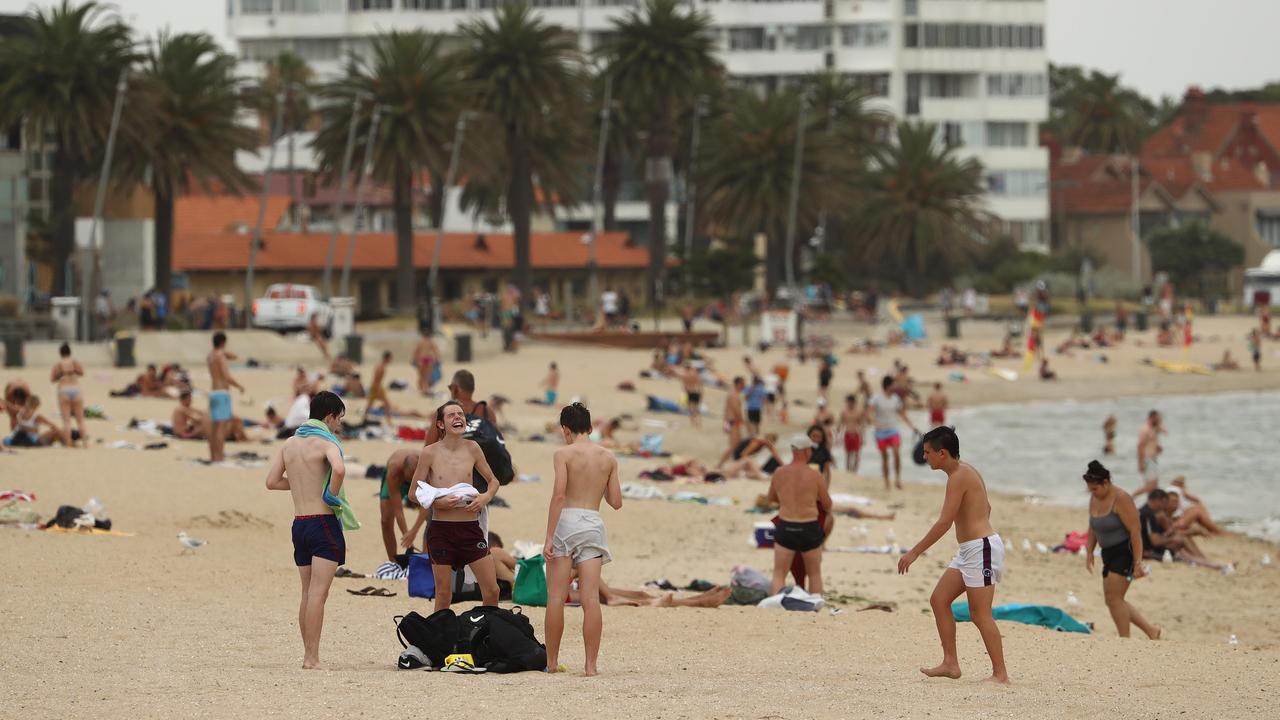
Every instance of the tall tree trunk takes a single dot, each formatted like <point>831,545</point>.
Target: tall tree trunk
<point>519,207</point>
<point>658,188</point>
<point>164,240</point>
<point>435,203</point>
<point>402,208</point>
<point>62,214</point>
<point>611,181</point>
<point>294,210</point>
<point>775,250</point>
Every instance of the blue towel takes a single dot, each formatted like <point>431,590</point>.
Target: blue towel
<point>1042,615</point>
<point>341,508</point>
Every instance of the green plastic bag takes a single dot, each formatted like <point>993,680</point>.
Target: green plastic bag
<point>531,582</point>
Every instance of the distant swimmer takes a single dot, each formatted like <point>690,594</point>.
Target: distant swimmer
<point>978,563</point>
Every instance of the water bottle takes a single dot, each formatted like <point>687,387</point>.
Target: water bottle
<point>1233,640</point>
<point>1168,557</point>
<point>1072,600</point>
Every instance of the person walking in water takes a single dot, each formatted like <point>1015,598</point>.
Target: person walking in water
<point>1114,525</point>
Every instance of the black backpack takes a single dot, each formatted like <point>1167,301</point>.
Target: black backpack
<point>502,641</point>
<point>435,635</point>
<point>490,440</point>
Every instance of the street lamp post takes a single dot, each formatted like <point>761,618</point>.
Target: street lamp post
<point>344,284</point>
<point>342,188</point>
<point>277,127</point>
<point>90,260</point>
<point>795,196</point>
<point>691,185</point>
<point>597,195</point>
<point>451,174</point>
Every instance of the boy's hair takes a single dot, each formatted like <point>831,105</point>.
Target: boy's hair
<point>553,366</point>
<point>495,540</point>
<point>65,350</point>
<point>737,380</point>
<point>887,382</point>
<point>386,355</point>
<point>219,339</point>
<point>324,404</point>
<point>576,417</point>
<point>447,403</point>
<point>1157,494</point>
<point>943,438</point>
<point>851,398</point>
<point>20,394</point>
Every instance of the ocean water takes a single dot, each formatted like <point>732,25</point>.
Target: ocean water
<point>1222,444</point>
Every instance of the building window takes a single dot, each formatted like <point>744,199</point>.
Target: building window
<point>969,35</point>
<point>312,49</point>
<point>256,7</point>
<point>1269,227</point>
<point>811,37</point>
<point>748,38</point>
<point>876,84</point>
<point>1007,134</point>
<point>946,85</point>
<point>310,7</point>
<point>554,3</point>
<point>1017,85</point>
<point>865,35</point>
<point>368,5</point>
<point>1017,183</point>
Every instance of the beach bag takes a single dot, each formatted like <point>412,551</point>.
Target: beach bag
<point>531,582</point>
<point>917,452</point>
<point>489,438</point>
<point>436,373</point>
<point>435,635</point>
<point>422,582</point>
<point>504,642</point>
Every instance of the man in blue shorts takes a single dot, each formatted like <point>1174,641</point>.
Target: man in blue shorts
<point>220,396</point>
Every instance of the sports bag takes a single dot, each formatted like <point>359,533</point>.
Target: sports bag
<point>435,635</point>
<point>502,641</point>
<point>491,443</point>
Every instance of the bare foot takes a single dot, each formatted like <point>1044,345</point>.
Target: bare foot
<point>591,672</point>
<point>943,670</point>
<point>311,665</point>
<point>1159,631</point>
<point>667,600</point>
<point>998,679</point>
<point>898,484</point>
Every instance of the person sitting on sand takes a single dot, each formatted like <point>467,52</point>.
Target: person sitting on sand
<point>188,423</point>
<point>16,393</point>
<point>1045,372</point>
<point>1226,363</point>
<point>1191,518</point>
<point>1159,536</point>
<point>149,384</point>
<point>26,432</point>
<point>302,385</point>
<point>744,460</point>
<point>351,386</point>
<point>1114,526</point>
<point>1006,348</point>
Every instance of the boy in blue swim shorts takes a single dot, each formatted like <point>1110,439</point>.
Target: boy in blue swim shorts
<point>303,466</point>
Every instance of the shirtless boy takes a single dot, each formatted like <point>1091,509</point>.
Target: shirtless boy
<point>576,539</point>
<point>691,378</point>
<point>937,403</point>
<point>733,415</point>
<point>551,385</point>
<point>799,491</point>
<point>978,563</point>
<point>378,393</point>
<point>852,421</point>
<point>393,495</point>
<point>319,548</point>
<point>442,482</point>
<point>220,396</point>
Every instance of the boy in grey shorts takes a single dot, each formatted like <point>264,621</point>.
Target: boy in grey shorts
<point>585,474</point>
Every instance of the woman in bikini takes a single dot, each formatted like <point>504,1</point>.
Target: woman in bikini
<point>66,375</point>
<point>1114,525</point>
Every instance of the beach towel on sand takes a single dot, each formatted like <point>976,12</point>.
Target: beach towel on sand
<point>341,508</point>
<point>1042,615</point>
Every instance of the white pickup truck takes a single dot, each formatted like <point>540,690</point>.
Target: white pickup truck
<point>290,307</point>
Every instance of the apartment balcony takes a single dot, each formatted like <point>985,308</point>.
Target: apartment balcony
<point>973,60</point>
<point>1019,207</point>
<point>979,108</point>
<point>747,63</point>
<point>1005,11</point>
<point>788,12</point>
<point>1009,158</point>
<point>866,10</point>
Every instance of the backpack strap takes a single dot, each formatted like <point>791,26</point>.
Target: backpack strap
<point>397,619</point>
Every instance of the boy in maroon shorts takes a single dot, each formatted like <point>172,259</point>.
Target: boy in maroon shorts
<point>442,482</point>
<point>852,420</point>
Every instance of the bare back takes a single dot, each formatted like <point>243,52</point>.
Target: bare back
<point>379,371</point>
<point>589,470</point>
<point>798,490</point>
<point>400,468</point>
<point>973,519</point>
<point>306,465</point>
<point>733,406</point>
<point>219,372</point>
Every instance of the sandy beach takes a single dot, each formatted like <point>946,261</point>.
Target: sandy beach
<point>129,627</point>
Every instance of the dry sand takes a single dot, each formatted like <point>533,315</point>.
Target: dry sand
<point>128,627</point>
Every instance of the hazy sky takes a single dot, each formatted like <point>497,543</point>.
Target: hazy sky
<point>1158,46</point>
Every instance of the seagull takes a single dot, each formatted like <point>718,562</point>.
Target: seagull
<point>190,543</point>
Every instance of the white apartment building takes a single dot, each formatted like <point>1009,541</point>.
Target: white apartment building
<point>976,68</point>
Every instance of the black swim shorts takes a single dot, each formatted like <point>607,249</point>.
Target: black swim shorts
<point>799,536</point>
<point>1118,559</point>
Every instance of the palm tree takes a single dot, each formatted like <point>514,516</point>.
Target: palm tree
<point>1099,115</point>
<point>60,77</point>
<point>660,56</point>
<point>922,209</point>
<point>526,77</point>
<point>417,85</point>
<point>186,130</point>
<point>747,165</point>
<point>290,74</point>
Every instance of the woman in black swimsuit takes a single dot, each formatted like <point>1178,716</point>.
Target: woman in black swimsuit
<point>1113,524</point>
<point>820,457</point>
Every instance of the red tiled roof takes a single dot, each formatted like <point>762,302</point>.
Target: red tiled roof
<point>1094,184</point>
<point>377,251</point>
<point>1206,129</point>
<point>217,214</point>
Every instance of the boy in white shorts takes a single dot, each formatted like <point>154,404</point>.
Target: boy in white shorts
<point>585,474</point>
<point>978,564</point>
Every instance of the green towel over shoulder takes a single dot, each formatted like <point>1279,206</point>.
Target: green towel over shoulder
<point>341,508</point>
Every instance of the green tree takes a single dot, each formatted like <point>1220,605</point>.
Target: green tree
<point>1095,112</point>
<point>1000,265</point>
<point>659,56</point>
<point>288,74</point>
<point>418,87</point>
<point>921,215</point>
<point>526,78</point>
<point>60,75</point>
<point>1195,256</point>
<point>720,270</point>
<point>185,130</point>
<point>747,166</point>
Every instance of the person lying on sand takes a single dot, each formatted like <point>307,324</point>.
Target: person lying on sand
<point>754,458</point>
<point>617,597</point>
